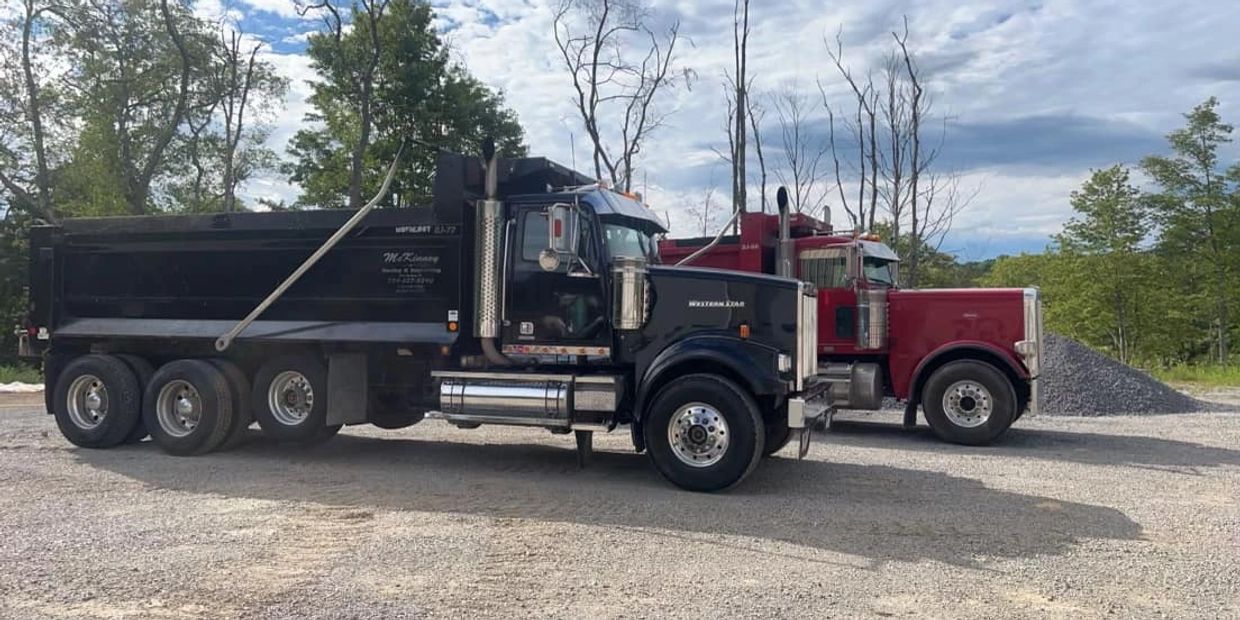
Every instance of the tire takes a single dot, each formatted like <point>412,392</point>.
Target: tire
<point>208,415</point>
<point>96,401</point>
<point>969,402</point>
<point>725,454</point>
<point>777,436</point>
<point>239,385</point>
<point>387,411</point>
<point>144,371</point>
<point>296,386</point>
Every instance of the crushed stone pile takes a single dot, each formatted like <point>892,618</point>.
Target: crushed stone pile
<point>1079,381</point>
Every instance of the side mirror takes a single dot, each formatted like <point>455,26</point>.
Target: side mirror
<point>563,227</point>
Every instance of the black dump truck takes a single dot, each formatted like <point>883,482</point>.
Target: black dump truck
<point>524,295</point>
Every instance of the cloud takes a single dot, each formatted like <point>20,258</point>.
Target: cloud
<point>1037,91</point>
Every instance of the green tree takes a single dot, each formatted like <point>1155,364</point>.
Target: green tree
<point>1198,210</point>
<point>1105,241</point>
<point>385,80</point>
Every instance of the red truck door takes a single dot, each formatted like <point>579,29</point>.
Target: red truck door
<point>833,270</point>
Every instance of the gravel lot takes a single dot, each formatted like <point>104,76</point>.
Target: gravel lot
<point>1123,516</point>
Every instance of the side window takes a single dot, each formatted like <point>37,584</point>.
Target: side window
<point>825,268</point>
<point>534,238</point>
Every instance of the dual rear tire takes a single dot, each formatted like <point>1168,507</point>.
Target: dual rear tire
<point>189,406</point>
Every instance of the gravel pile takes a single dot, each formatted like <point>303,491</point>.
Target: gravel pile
<point>1079,381</point>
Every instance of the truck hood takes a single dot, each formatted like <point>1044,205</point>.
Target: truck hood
<point>725,275</point>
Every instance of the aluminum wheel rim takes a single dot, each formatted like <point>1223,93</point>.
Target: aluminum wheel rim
<point>178,408</point>
<point>290,398</point>
<point>87,402</point>
<point>698,434</point>
<point>968,404</point>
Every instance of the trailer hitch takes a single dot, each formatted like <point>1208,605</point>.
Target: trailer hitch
<point>223,342</point>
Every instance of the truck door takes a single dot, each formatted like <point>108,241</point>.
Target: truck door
<point>561,311</point>
<point>832,269</point>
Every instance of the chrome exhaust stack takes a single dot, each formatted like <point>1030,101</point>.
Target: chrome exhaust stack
<point>488,260</point>
<point>783,260</point>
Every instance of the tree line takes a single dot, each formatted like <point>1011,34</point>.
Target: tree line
<point>1150,275</point>
<point>135,107</point>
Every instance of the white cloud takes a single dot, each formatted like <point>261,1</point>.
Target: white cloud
<point>991,62</point>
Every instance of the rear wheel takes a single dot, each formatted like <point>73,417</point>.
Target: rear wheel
<point>704,433</point>
<point>289,399</point>
<point>96,401</point>
<point>188,407</point>
<point>239,385</point>
<point>969,402</point>
<point>144,371</point>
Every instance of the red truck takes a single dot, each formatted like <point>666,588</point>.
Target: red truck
<point>969,357</point>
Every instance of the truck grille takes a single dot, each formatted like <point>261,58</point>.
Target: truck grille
<point>807,336</point>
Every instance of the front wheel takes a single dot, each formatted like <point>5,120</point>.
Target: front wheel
<point>704,433</point>
<point>969,402</point>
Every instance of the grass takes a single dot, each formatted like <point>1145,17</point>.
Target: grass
<point>1203,375</point>
<point>20,373</point>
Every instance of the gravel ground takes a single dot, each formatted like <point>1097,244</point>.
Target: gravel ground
<point>1122,516</point>
<point>1080,381</point>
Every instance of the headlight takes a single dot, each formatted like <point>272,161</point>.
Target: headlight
<point>784,362</point>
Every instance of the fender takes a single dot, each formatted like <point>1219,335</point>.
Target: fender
<point>754,363</point>
<point>1008,358</point>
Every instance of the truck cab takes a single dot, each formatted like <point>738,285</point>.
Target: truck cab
<point>969,358</point>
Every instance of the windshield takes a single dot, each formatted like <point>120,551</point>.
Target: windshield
<point>879,270</point>
<point>625,241</point>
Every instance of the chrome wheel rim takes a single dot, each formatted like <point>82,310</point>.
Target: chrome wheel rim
<point>178,408</point>
<point>968,404</point>
<point>290,398</point>
<point>698,434</point>
<point>88,402</point>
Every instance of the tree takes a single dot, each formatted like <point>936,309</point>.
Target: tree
<point>1198,210</point>
<point>740,104</point>
<point>1106,237</point>
<point>803,169</point>
<point>28,101</point>
<point>917,202</point>
<point>600,42</point>
<point>387,80</point>
<point>134,66</point>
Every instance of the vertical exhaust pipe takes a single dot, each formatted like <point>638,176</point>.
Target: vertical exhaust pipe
<point>488,259</point>
<point>783,256</point>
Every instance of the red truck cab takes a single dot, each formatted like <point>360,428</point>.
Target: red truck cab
<point>969,357</point>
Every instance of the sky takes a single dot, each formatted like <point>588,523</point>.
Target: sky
<point>1035,93</point>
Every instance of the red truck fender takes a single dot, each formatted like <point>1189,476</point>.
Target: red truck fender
<point>1005,361</point>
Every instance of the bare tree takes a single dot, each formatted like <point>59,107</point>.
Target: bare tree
<point>599,42</point>
<point>740,106</point>
<point>804,166</point>
<point>238,68</point>
<point>757,114</point>
<point>919,202</point>
<point>864,128</point>
<point>704,213</point>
